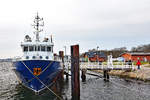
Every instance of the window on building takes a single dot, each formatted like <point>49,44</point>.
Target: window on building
<point>30,48</point>
<point>42,48</point>
<point>145,59</point>
<point>25,49</point>
<point>49,49</point>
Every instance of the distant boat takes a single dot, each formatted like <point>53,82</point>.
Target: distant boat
<point>38,67</point>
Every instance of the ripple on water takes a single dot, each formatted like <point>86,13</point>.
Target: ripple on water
<point>93,89</point>
<point>7,81</point>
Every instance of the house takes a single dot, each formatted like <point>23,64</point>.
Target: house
<point>136,56</point>
<point>94,56</point>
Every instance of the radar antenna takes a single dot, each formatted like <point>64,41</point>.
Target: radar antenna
<point>38,23</point>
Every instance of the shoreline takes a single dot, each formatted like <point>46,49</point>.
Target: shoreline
<point>142,74</point>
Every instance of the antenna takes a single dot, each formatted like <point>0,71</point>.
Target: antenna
<point>38,23</point>
<point>51,39</point>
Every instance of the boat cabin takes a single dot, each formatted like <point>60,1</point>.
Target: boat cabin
<point>35,50</point>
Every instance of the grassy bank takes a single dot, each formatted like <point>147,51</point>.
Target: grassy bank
<point>141,74</point>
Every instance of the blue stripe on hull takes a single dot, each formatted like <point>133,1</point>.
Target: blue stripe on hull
<point>50,70</point>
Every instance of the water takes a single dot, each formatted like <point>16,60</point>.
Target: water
<point>93,89</point>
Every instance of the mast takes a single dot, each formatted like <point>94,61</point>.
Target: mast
<point>38,24</point>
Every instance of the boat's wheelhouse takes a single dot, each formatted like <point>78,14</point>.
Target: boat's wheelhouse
<point>37,50</point>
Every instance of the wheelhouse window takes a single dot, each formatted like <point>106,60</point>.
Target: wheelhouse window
<point>25,49</point>
<point>39,48</point>
<point>35,48</point>
<point>30,48</point>
<point>42,48</point>
<point>49,49</point>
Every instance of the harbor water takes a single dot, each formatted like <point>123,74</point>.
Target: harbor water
<point>95,88</point>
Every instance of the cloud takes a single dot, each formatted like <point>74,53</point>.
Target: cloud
<point>108,23</point>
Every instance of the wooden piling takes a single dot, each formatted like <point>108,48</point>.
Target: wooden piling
<point>61,55</point>
<point>75,75</point>
<point>83,76</point>
<point>67,76</point>
<point>106,75</point>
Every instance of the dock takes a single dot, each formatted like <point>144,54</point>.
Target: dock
<point>76,66</point>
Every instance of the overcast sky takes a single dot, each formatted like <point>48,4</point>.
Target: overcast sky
<point>90,23</point>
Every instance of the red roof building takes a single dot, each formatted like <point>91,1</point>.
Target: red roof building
<point>95,56</point>
<point>136,56</point>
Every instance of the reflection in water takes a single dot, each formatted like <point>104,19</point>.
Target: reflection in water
<point>25,94</point>
<point>93,88</point>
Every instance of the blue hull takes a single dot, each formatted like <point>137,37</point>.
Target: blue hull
<point>49,71</point>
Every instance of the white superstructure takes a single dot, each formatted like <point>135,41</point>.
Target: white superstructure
<point>37,49</point>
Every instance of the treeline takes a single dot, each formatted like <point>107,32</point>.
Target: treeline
<point>117,51</point>
<point>141,48</point>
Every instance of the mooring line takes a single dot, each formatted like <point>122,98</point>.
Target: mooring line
<point>41,81</point>
<point>46,67</point>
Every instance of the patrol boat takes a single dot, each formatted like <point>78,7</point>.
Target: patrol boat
<point>38,67</point>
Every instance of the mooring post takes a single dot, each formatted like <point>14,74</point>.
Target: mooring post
<point>106,75</point>
<point>83,76</point>
<point>61,55</point>
<point>67,76</point>
<point>75,75</point>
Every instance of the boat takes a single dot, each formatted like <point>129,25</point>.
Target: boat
<point>38,68</point>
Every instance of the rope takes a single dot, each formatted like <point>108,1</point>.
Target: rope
<point>47,67</point>
<point>41,73</point>
<point>41,81</point>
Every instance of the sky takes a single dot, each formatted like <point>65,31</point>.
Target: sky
<point>90,23</point>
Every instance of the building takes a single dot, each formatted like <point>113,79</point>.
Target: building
<point>94,56</point>
<point>136,56</point>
